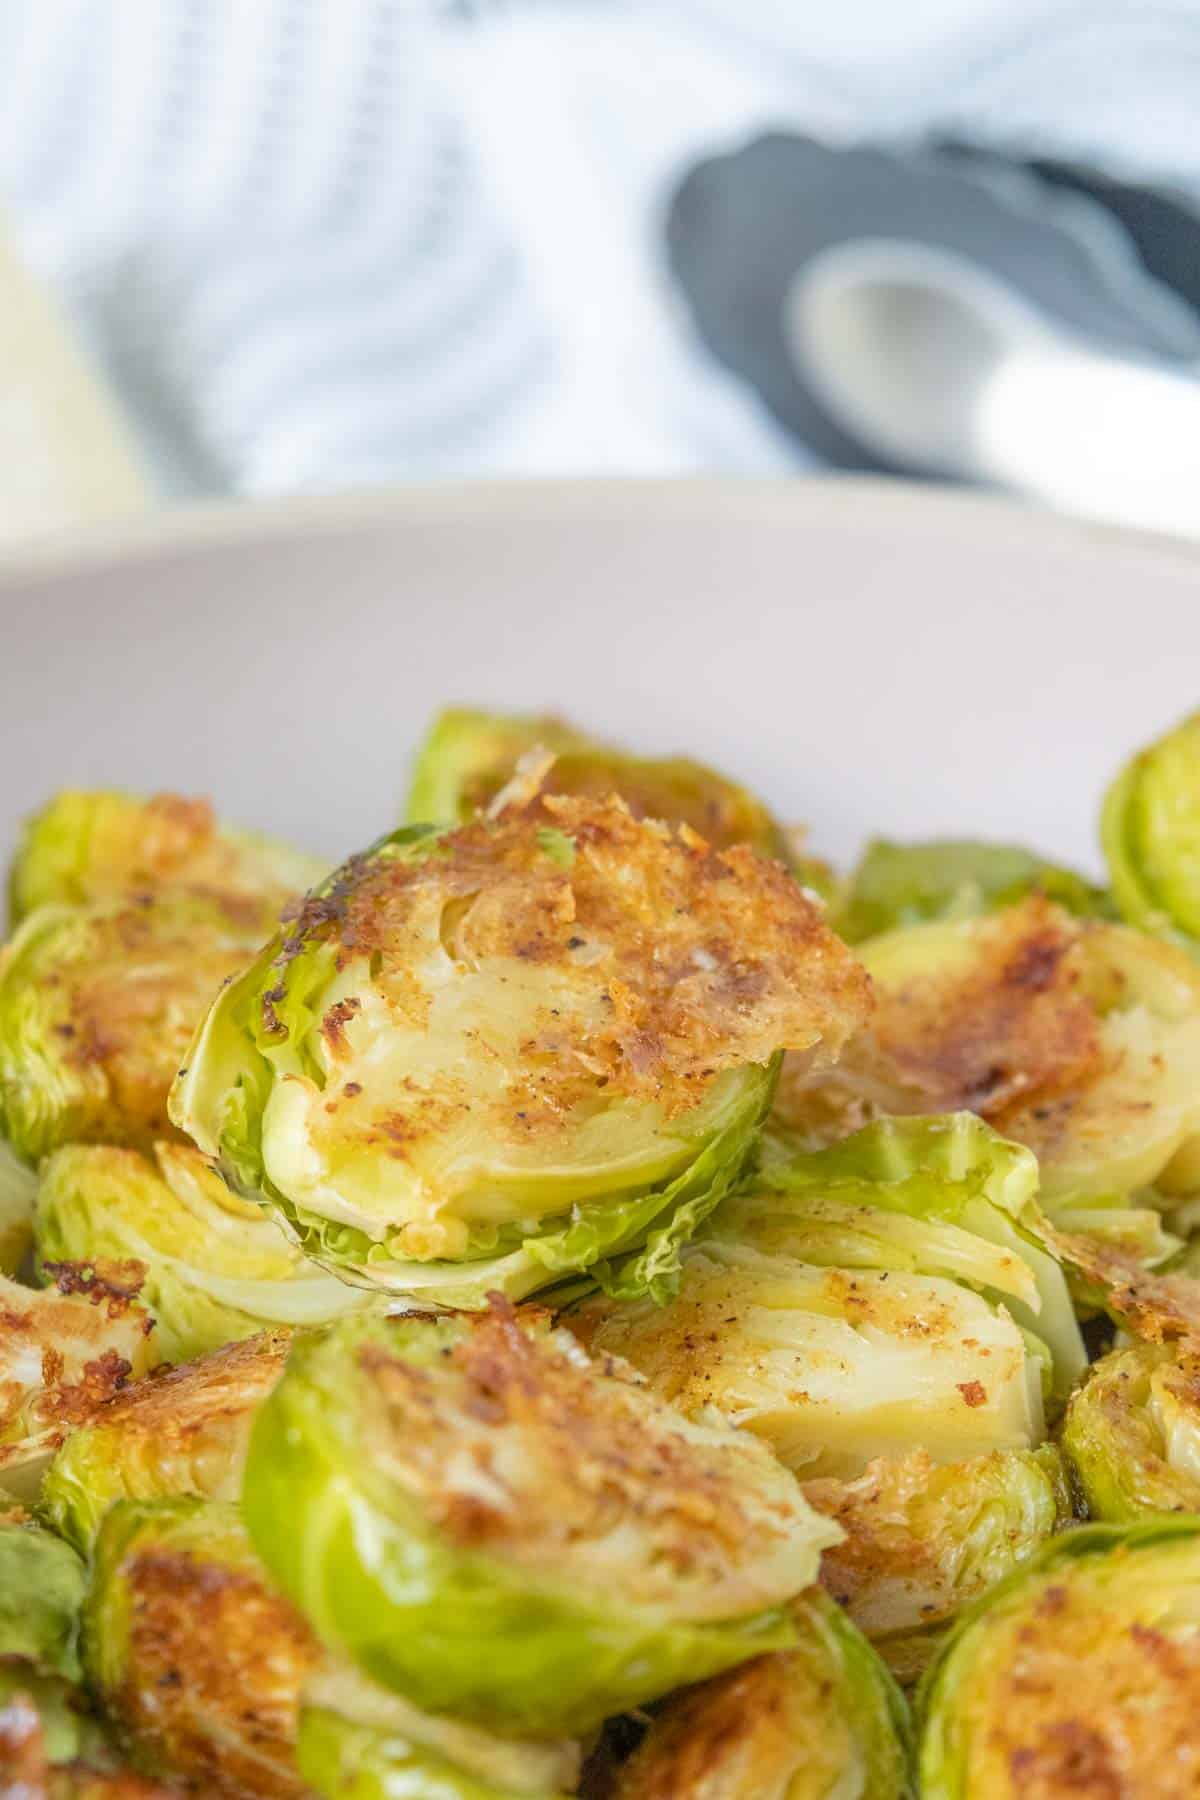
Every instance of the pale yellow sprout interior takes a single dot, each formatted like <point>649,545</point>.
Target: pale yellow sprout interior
<point>833,1366</point>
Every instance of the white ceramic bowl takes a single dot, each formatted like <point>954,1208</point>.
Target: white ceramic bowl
<point>869,656</point>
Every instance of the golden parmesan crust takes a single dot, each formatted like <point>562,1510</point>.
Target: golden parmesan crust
<point>1019,1023</point>
<point>209,1395</point>
<point>65,1353</point>
<point>518,1445</point>
<point>671,961</point>
<point>747,1735</point>
<point>122,1012</point>
<point>1081,1699</point>
<point>216,1662</point>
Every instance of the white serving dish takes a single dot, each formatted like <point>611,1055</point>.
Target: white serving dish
<point>870,656</point>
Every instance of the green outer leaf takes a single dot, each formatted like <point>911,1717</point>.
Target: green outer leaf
<point>453,1631</point>
<point>465,743</point>
<point>345,1761</point>
<point>41,1592</point>
<point>18,1185</point>
<point>953,878</point>
<point>941,1774</point>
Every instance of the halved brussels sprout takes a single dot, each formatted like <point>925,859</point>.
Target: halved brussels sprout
<point>1150,830</point>
<point>1080,1674</point>
<point>1132,1432</point>
<point>921,1541</point>
<point>91,845</point>
<point>97,1006</point>
<point>951,878</point>
<point>832,1366</point>
<point>197,1662</point>
<point>63,1353</point>
<point>1080,1039</point>
<point>820,1720</point>
<point>216,1266</point>
<point>358,1742</point>
<point>181,1431</point>
<point>535,1541</point>
<point>882,1296</point>
<point>469,756</point>
<point>487,1058</point>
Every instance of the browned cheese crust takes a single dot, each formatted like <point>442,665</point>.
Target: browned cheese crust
<point>124,1015</point>
<point>519,1445</point>
<point>672,961</point>
<point>201,1409</point>
<point>85,1330</point>
<point>1081,1704</point>
<point>216,1662</point>
<point>26,1773</point>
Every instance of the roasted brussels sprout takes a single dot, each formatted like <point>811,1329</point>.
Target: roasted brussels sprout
<point>92,845</point>
<point>876,1298</point>
<point>1149,827</point>
<point>820,1720</point>
<point>358,1742</point>
<point>217,1267</point>
<point>922,1540</point>
<point>1078,1038</point>
<point>195,1659</point>
<point>907,884</point>
<point>63,1353</point>
<point>30,1769</point>
<point>1080,1674</point>
<point>535,1542</point>
<point>97,1006</point>
<point>487,1058</point>
<point>468,757</point>
<point>1132,1432</point>
<point>180,1431</point>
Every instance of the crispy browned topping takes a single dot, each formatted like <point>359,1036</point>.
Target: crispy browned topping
<point>216,1664</point>
<point>124,1014</point>
<point>1019,1023</point>
<point>113,1283</point>
<point>738,1724</point>
<point>1161,1309</point>
<point>201,1407</point>
<point>672,961</point>
<point>1081,1700</point>
<point>23,1767</point>
<point>517,1444</point>
<point>87,1341</point>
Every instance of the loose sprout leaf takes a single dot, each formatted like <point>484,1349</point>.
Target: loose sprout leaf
<point>198,1662</point>
<point>217,1267</point>
<point>535,1541</point>
<point>178,1432</point>
<point>922,1540</point>
<point>1150,830</point>
<point>953,878</point>
<point>98,845</point>
<point>359,1742</point>
<point>1078,1674</point>
<point>18,1185</point>
<point>97,1006</point>
<point>823,1718</point>
<point>64,1351</point>
<point>1077,1038</point>
<point>41,1592</point>
<point>462,1053</point>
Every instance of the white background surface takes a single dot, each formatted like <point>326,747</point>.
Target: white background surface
<point>870,657</point>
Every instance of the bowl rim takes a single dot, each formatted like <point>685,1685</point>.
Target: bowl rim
<point>193,528</point>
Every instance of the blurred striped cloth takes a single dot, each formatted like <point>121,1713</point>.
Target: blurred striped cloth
<point>321,242</point>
